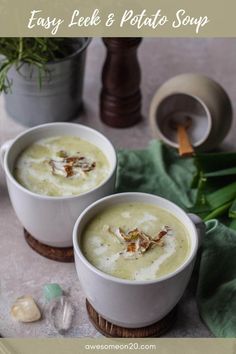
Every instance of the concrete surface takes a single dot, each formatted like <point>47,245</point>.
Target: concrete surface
<point>22,271</point>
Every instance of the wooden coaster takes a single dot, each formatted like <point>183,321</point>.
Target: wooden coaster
<point>58,254</point>
<point>110,330</point>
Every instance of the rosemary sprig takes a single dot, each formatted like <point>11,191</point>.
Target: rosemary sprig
<point>14,52</point>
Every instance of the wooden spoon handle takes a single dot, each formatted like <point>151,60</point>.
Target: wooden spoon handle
<point>185,147</point>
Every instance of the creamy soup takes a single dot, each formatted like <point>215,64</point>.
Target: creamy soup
<point>61,166</point>
<point>135,241</point>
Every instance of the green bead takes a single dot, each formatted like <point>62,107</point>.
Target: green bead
<point>52,291</point>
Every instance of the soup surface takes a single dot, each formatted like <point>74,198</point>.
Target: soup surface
<point>135,241</point>
<point>61,166</point>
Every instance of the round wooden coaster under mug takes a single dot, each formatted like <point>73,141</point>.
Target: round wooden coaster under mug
<point>110,330</point>
<point>197,100</point>
<point>59,254</point>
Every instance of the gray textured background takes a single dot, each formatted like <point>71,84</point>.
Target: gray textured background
<point>24,272</point>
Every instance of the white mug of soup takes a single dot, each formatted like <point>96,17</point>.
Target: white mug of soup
<point>53,172</point>
<point>134,255</point>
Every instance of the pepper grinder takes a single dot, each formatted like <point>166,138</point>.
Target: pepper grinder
<point>120,100</point>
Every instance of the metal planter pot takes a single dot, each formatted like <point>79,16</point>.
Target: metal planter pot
<point>60,96</point>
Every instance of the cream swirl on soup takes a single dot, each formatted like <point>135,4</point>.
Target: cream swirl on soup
<point>136,241</point>
<point>61,166</point>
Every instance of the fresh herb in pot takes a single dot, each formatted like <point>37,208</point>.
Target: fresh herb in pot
<point>37,52</point>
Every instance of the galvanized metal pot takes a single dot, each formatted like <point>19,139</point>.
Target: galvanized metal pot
<point>60,96</point>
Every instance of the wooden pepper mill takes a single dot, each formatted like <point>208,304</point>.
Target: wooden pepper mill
<point>120,100</point>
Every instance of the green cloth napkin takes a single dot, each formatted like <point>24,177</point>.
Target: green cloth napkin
<point>159,170</point>
<point>216,293</point>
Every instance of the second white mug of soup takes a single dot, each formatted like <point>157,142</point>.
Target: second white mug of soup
<point>134,255</point>
<point>44,167</point>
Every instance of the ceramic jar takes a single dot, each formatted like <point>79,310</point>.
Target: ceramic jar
<point>198,97</point>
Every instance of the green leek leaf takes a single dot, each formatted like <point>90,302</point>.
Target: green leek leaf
<point>232,210</point>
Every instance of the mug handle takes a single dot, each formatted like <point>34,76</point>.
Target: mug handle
<point>3,149</point>
<point>200,226</point>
